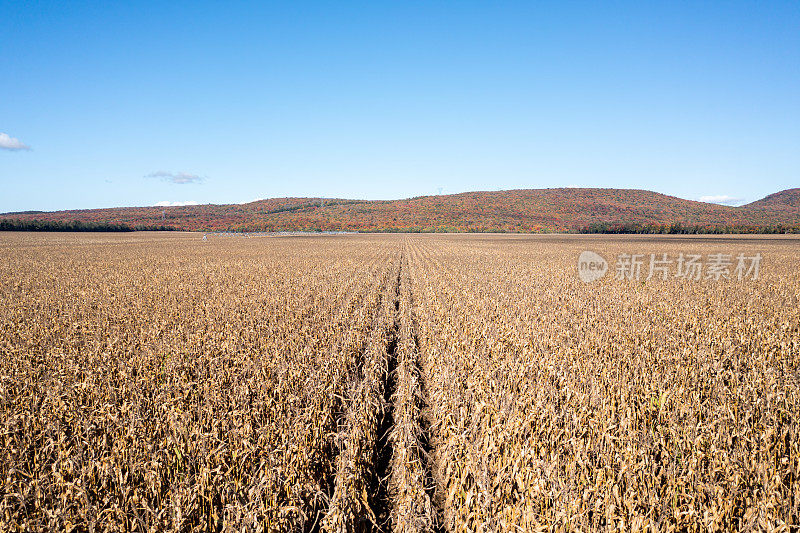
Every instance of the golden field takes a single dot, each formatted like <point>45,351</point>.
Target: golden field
<point>405,383</point>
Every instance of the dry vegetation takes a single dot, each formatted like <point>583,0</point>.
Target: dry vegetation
<point>392,383</point>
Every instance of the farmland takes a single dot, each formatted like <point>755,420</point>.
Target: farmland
<point>405,383</point>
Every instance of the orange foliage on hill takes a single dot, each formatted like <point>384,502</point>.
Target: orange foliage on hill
<point>527,210</point>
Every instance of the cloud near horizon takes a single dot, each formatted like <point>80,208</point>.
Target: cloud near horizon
<point>181,178</point>
<point>8,142</point>
<point>722,199</point>
<point>165,203</point>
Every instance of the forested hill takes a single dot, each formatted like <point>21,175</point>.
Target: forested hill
<point>525,210</point>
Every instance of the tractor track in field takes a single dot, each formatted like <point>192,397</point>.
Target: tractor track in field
<point>381,501</point>
<point>384,477</point>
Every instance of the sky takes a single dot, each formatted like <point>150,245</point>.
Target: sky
<point>136,103</point>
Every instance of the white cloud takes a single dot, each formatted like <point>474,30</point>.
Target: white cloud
<point>180,178</point>
<point>165,203</point>
<point>11,143</point>
<point>722,199</point>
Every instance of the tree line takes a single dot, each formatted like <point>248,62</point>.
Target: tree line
<point>683,229</point>
<point>73,225</point>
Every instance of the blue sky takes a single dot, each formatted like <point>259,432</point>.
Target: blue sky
<point>117,104</point>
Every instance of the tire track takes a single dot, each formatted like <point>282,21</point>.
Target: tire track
<point>383,478</point>
<point>411,483</point>
<point>357,497</point>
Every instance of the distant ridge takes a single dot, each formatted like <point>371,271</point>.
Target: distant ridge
<point>788,199</point>
<point>522,210</point>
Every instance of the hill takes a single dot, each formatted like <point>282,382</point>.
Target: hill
<point>525,210</point>
<point>788,200</point>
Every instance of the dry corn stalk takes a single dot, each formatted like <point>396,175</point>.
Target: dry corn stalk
<point>412,510</point>
<point>151,383</point>
<point>352,505</point>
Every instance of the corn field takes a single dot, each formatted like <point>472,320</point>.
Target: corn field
<point>393,383</point>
